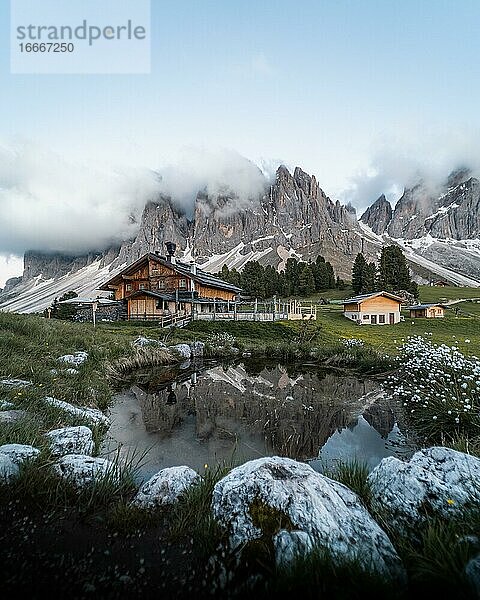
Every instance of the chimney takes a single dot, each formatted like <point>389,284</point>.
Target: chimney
<point>193,267</point>
<point>171,247</point>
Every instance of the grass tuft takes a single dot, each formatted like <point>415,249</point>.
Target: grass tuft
<point>353,474</point>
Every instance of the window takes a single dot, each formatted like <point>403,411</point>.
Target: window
<point>161,284</point>
<point>141,286</point>
<point>366,317</point>
<point>182,284</point>
<point>128,287</point>
<point>381,318</point>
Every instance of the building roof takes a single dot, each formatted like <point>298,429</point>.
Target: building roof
<point>200,276</point>
<point>422,306</point>
<point>80,300</point>
<point>362,297</point>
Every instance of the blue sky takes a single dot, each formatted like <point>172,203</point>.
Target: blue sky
<point>330,85</point>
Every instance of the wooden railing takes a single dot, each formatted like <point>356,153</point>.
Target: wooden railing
<point>179,320</point>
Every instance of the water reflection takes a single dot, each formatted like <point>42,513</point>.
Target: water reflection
<point>248,410</point>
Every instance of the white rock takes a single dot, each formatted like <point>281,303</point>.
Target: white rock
<point>165,487</point>
<point>183,350</point>
<point>5,405</point>
<point>19,453</point>
<point>11,416</point>
<point>76,359</point>
<point>82,470</point>
<point>142,341</point>
<point>8,469</point>
<point>71,440</point>
<point>15,383</point>
<point>289,545</point>
<point>93,415</point>
<point>197,349</point>
<point>330,514</point>
<point>436,479</point>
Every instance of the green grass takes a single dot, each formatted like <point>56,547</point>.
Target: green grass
<point>39,488</point>
<point>354,475</point>
<point>436,560</point>
<point>191,516</point>
<point>437,294</point>
<point>450,330</point>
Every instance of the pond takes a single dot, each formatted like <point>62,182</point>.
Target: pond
<point>209,413</point>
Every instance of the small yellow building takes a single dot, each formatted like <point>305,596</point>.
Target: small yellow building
<point>380,308</point>
<point>426,311</point>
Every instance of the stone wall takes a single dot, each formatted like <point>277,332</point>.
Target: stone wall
<point>107,312</point>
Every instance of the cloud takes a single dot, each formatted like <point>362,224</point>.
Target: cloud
<point>50,204</point>
<point>10,266</point>
<point>221,172</point>
<point>398,163</point>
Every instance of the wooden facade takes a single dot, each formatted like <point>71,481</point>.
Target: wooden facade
<point>154,287</point>
<point>427,311</point>
<point>381,308</point>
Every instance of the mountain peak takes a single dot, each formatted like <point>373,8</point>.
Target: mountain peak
<point>378,215</point>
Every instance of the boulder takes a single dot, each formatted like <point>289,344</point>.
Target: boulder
<point>15,383</point>
<point>11,416</point>
<point>142,341</point>
<point>165,487</point>
<point>197,349</point>
<point>82,470</point>
<point>268,494</point>
<point>436,480</point>
<point>19,453</point>
<point>183,350</point>
<point>71,440</point>
<point>76,359</point>
<point>93,415</point>
<point>289,545</point>
<point>8,469</point>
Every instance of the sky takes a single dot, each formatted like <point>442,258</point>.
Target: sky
<point>364,94</point>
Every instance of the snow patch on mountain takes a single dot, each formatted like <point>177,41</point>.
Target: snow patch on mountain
<point>236,258</point>
<point>37,294</point>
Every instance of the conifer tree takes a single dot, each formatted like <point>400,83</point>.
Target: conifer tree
<point>358,273</point>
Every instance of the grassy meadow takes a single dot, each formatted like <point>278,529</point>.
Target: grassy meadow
<point>118,551</point>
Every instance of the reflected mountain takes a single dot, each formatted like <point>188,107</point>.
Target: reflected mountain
<point>226,412</point>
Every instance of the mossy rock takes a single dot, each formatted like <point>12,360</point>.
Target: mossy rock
<point>268,519</point>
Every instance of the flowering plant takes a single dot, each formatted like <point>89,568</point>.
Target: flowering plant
<point>438,387</point>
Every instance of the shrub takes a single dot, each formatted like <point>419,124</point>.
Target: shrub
<point>439,388</point>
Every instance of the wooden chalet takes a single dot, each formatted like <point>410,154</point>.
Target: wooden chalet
<point>160,287</point>
<point>426,311</point>
<point>380,308</point>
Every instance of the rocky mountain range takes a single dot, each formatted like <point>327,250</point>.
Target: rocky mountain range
<point>441,225</point>
<point>293,218</point>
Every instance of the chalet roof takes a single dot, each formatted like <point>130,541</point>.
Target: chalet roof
<point>422,306</point>
<point>200,276</point>
<point>362,297</point>
<point>82,300</point>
